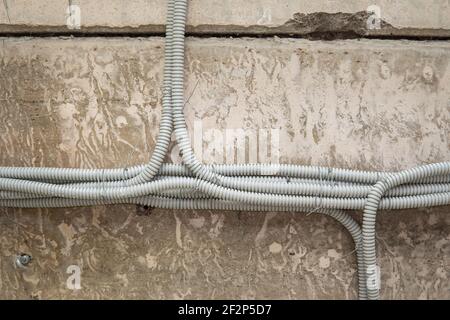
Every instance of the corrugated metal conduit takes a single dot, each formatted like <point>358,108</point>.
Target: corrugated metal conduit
<point>194,185</point>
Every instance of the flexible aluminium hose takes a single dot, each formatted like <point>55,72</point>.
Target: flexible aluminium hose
<point>211,182</point>
<point>192,193</point>
<point>252,187</point>
<point>203,173</point>
<point>373,202</point>
<point>321,174</point>
<point>181,132</point>
<point>214,191</point>
<point>294,186</point>
<point>220,204</point>
<point>166,126</point>
<point>134,175</point>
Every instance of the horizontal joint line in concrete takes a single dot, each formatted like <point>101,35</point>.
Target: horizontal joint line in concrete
<point>425,35</point>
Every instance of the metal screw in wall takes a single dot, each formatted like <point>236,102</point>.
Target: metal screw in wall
<point>23,260</point>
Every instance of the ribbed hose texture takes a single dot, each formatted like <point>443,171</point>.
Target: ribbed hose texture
<point>373,202</point>
<point>194,185</point>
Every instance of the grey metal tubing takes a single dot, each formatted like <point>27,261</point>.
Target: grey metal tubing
<point>227,187</point>
<point>322,174</point>
<point>282,203</point>
<point>166,125</point>
<point>374,202</point>
<point>276,185</point>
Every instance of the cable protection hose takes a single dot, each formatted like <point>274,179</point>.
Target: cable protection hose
<point>249,187</point>
<point>373,202</point>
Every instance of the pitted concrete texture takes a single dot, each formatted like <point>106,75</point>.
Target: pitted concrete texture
<point>213,254</point>
<point>97,102</point>
<point>381,105</point>
<point>400,18</point>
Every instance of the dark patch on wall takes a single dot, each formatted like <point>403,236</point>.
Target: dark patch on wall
<point>315,26</point>
<point>326,26</point>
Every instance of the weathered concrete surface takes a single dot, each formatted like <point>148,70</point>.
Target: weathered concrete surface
<point>228,255</point>
<point>96,103</point>
<point>401,18</point>
<point>356,104</point>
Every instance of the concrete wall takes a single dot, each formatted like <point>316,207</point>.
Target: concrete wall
<point>400,18</point>
<point>379,105</point>
<point>96,102</point>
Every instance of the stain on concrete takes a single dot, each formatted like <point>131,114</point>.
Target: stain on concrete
<point>329,26</point>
